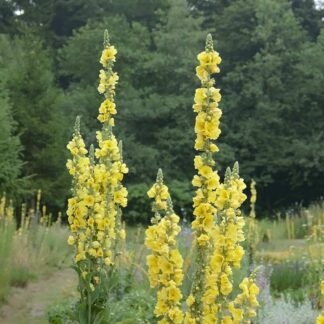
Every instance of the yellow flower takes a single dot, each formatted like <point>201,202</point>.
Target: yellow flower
<point>108,107</point>
<point>252,313</point>
<point>199,142</point>
<point>71,240</point>
<point>198,162</point>
<point>94,213</point>
<point>215,94</point>
<point>226,320</point>
<point>108,54</point>
<point>209,59</point>
<point>320,319</point>
<point>80,256</point>
<point>99,253</point>
<point>122,234</point>
<point>108,261</point>
<point>206,171</point>
<point>213,181</point>
<point>201,95</point>
<point>196,181</point>
<point>96,244</point>
<point>152,192</point>
<point>165,262</point>
<point>190,300</point>
<point>176,315</point>
<point>112,81</point>
<point>226,285</point>
<point>204,210</point>
<point>176,258</point>
<point>120,197</point>
<point>254,289</point>
<point>216,262</point>
<point>203,239</point>
<point>174,293</point>
<point>202,73</point>
<point>165,266</point>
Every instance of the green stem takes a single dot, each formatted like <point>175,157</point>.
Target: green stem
<point>89,295</point>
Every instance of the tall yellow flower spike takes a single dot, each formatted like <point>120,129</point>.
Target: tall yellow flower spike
<point>252,224</point>
<point>207,180</point>
<point>94,212</point>
<point>79,168</point>
<point>218,224</point>
<point>165,262</point>
<point>227,254</point>
<point>110,169</point>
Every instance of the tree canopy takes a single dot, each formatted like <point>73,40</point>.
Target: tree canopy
<point>271,82</point>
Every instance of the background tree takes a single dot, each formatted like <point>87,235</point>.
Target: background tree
<point>266,98</point>
<point>271,78</point>
<point>31,89</point>
<point>310,17</point>
<point>11,162</point>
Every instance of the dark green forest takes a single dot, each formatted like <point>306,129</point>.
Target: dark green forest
<point>272,81</point>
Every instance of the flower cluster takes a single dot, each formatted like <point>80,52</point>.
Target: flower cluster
<point>218,224</point>
<point>320,318</point>
<point>110,169</point>
<point>165,262</point>
<point>252,225</point>
<point>227,252</point>
<point>253,199</point>
<point>94,211</point>
<point>108,80</point>
<point>207,180</point>
<point>244,305</point>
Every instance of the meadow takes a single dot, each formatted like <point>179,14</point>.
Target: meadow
<point>289,255</point>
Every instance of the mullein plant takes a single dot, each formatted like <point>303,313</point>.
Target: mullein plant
<point>252,225</point>
<point>95,210</point>
<point>207,181</point>
<point>165,262</point>
<point>217,226</point>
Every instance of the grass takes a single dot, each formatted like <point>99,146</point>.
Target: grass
<point>28,254</point>
<point>294,264</point>
<point>7,230</point>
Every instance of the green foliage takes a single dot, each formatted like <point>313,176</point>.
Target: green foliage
<point>135,307</point>
<point>288,275</point>
<point>56,19</point>
<point>138,207</point>
<point>310,17</point>
<point>155,118</point>
<point>29,82</point>
<point>79,66</point>
<point>20,276</point>
<point>268,131</point>
<point>62,313</point>
<point>11,163</point>
<point>139,304</point>
<point>182,193</point>
<point>28,254</point>
<point>295,279</point>
<point>6,241</point>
